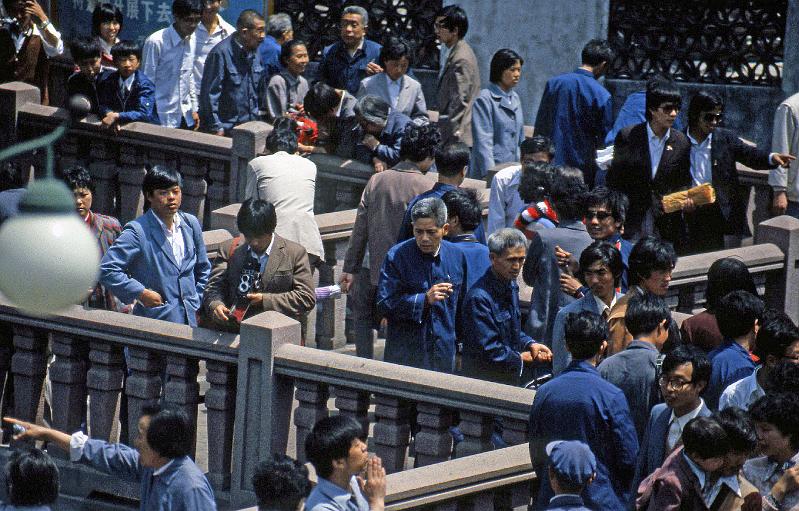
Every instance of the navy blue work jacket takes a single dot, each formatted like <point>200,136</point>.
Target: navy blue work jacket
<point>269,51</point>
<point>421,335</point>
<point>477,258</point>
<point>579,405</point>
<point>492,334</point>
<point>731,362</point>
<point>341,71</point>
<point>231,86</point>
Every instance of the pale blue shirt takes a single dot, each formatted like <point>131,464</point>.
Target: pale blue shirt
<point>656,146</point>
<point>394,87</point>
<point>327,496</point>
<point>168,61</point>
<point>205,42</point>
<point>504,203</point>
<point>701,169</point>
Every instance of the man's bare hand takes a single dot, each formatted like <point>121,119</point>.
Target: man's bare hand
<point>438,292</point>
<point>540,352</point>
<point>373,68</point>
<point>32,431</point>
<point>689,206</point>
<point>527,357</point>
<point>221,313</point>
<point>781,159</point>
<point>565,260</point>
<point>110,120</point>
<point>374,486</point>
<point>569,284</point>
<point>196,118</point>
<point>33,8</point>
<point>150,298</point>
<point>345,282</point>
<point>255,298</point>
<point>779,204</point>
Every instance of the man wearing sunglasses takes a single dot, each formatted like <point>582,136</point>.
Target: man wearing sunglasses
<point>714,152</point>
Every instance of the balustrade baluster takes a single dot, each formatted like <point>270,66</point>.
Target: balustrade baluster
<point>219,193</point>
<point>433,442</point>
<point>391,432</point>
<point>514,431</point>
<point>68,377</point>
<point>104,381</point>
<point>6,351</point>
<point>131,176</point>
<point>354,403</point>
<point>181,388</point>
<point>28,365</point>
<point>143,386</point>
<point>104,171</point>
<point>220,401</point>
<point>195,187</point>
<point>476,429</point>
<point>312,406</point>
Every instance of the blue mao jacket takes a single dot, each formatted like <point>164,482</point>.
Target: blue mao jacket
<point>576,112</point>
<point>492,333</point>
<point>231,86</point>
<point>421,335</point>
<point>478,259</point>
<point>730,362</point>
<point>579,405</point>
<point>390,139</point>
<point>269,51</point>
<point>341,71</point>
<point>180,487</point>
<point>497,129</point>
<point>137,106</point>
<point>141,258</point>
<point>438,191</point>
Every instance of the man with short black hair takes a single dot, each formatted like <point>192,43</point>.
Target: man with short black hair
<point>31,478</point>
<point>259,271</point>
<point>634,370</point>
<point>348,61</point>
<point>579,405</point>
<point>231,85</point>
<point>576,112</point>
<point>376,139</point>
<point>160,461</point>
<point>738,315</point>
<point>281,484</point>
<point>463,216</point>
<point>336,447</point>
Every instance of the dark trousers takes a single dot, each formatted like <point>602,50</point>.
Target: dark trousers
<point>705,230</point>
<point>362,301</point>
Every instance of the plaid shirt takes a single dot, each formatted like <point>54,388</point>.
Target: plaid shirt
<point>107,229</point>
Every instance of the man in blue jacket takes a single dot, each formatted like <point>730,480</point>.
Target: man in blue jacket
<point>159,260</point>
<point>421,290</point>
<point>494,346</point>
<point>376,137</point>
<point>579,405</point>
<point>126,95</point>
<point>345,63</point>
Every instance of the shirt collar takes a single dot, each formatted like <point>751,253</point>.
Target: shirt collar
<point>128,82</point>
<point>173,36</point>
<point>774,466</point>
<point>695,142</point>
<point>601,305</point>
<point>290,78</point>
<point>698,472</point>
<point>221,26</point>
<point>162,469</point>
<point>336,493</point>
<point>684,419</point>
<point>651,134</point>
<point>496,90</point>
<point>352,53</point>
<point>175,223</point>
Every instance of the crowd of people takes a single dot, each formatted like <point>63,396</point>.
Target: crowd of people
<point>640,412</point>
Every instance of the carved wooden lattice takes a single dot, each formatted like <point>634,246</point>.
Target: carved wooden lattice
<point>716,41</point>
<point>317,23</point>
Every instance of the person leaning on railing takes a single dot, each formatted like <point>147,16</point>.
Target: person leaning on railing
<point>160,461</point>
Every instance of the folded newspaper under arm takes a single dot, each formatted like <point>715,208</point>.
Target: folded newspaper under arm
<point>700,195</point>
<point>604,157</point>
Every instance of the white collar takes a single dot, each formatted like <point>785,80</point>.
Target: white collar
<point>175,223</point>
<point>683,419</point>
<point>163,468</point>
<point>128,82</point>
<point>601,305</point>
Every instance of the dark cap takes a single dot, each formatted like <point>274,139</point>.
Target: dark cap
<point>572,460</point>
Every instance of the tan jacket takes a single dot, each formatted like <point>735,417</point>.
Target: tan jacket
<point>619,336</point>
<point>457,89</point>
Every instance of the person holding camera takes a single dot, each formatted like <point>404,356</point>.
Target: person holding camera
<point>259,271</point>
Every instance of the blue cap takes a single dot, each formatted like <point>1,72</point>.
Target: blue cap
<point>572,460</point>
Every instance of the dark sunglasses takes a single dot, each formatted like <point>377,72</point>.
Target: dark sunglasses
<point>711,116</point>
<point>599,215</point>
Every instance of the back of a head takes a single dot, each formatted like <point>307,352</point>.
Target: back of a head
<point>320,100</point>
<point>185,8</point>
<point>170,433</point>
<point>781,410</point>
<point>776,333</point>
<point>688,353</point>
<point>535,182</point>
<point>454,19</point>
<point>740,429</point>
<point>77,177</point>
<point>331,439</point>
<point>704,437</point>
<point>278,24</point>
<point>568,192</point>
<point>659,91</point>
<point>645,311</point>
<point>126,48</point>
<point>31,478</point>
<point>283,136</point>
<point>783,377</point>
<point>737,313</point>
<point>464,203</point>
<point>648,255</point>
<point>585,332</point>
<point>256,217</point>
<point>373,110</point>
<point>726,275</point>
<point>537,144</point>
<point>84,47</point>
<point>451,158</point>
<point>613,200</point>
<point>596,51</point>
<point>419,142</point>
<point>280,483</point>
<point>160,177</point>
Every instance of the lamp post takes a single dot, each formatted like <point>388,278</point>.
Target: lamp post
<point>49,257</point>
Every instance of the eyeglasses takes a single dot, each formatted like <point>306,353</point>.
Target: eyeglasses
<point>673,384</point>
<point>712,116</point>
<point>599,215</point>
<point>668,107</point>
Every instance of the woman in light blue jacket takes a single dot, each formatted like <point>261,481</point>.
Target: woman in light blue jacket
<point>497,119</point>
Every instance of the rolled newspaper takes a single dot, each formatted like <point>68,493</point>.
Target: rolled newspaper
<point>701,195</point>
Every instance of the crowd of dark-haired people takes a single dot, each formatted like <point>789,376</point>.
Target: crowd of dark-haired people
<point>636,412</point>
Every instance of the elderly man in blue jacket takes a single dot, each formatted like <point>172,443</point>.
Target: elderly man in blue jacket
<point>421,290</point>
<point>159,260</point>
<point>494,346</point>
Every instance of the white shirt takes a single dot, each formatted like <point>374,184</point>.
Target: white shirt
<point>175,238</point>
<point>504,203</point>
<point>352,52</point>
<point>49,49</point>
<point>656,146</point>
<point>742,393</point>
<point>602,306</point>
<point>127,82</point>
<point>677,424</point>
<point>205,42</point>
<point>168,61</point>
<point>701,169</point>
<point>394,88</point>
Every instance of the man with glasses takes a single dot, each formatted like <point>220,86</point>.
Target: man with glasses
<point>651,160</point>
<point>684,375</point>
<point>168,61</point>
<point>714,152</point>
<point>345,63</point>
